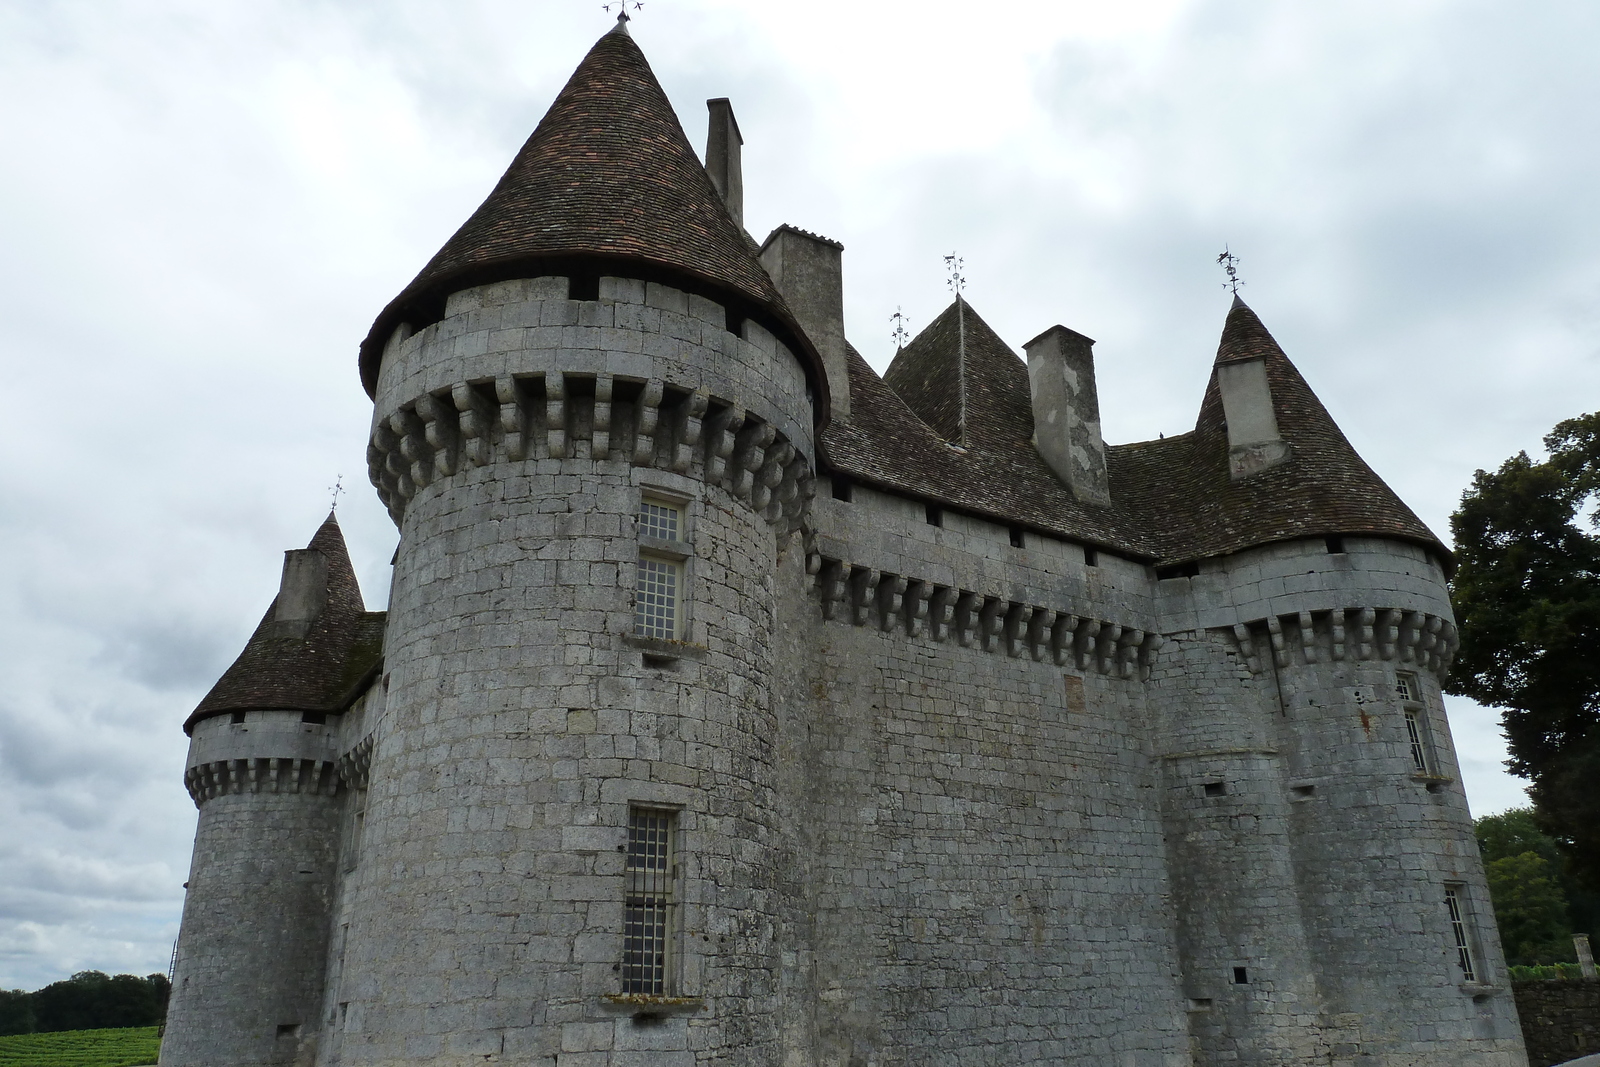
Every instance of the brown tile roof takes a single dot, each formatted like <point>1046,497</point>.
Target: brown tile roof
<point>898,440</point>
<point>606,183</point>
<point>1180,492</point>
<point>322,672</point>
<point>1173,499</point>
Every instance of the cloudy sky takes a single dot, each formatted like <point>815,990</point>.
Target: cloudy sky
<point>203,205</point>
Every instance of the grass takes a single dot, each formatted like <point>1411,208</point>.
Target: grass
<point>131,1047</point>
<point>1524,974</point>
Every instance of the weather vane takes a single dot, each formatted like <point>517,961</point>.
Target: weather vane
<point>957,281</point>
<point>1230,263</point>
<point>899,333</point>
<point>622,8</point>
<point>337,488</point>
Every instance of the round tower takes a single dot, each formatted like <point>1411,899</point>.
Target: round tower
<point>593,424</point>
<point>1331,902</point>
<point>262,769</point>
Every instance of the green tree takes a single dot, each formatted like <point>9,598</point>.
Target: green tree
<point>16,1012</point>
<point>1527,598</point>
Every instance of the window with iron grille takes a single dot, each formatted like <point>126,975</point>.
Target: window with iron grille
<point>1459,933</point>
<point>1416,714</point>
<point>647,922</point>
<point>658,591</point>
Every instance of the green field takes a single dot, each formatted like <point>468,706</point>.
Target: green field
<point>82,1048</point>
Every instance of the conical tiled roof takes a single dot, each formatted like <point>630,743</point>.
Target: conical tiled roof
<point>320,672</point>
<point>1181,491</point>
<point>607,182</point>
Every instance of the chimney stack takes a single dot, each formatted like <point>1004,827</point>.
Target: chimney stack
<point>723,157</point>
<point>809,271</point>
<point>1066,412</point>
<point>303,592</point>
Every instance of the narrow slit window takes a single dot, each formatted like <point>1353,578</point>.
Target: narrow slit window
<point>647,912</point>
<point>655,600</point>
<point>1458,932</point>
<point>1416,715</point>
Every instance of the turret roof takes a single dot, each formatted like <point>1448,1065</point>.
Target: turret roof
<point>323,671</point>
<point>608,182</point>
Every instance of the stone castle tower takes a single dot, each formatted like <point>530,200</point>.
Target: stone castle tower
<point>735,705</point>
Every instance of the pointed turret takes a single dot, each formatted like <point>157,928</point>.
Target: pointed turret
<point>972,387</point>
<point>607,184</point>
<point>313,647</point>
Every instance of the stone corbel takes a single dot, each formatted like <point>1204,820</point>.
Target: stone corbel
<point>832,579</point>
<point>1083,645</point>
<point>748,456</point>
<point>605,387</point>
<point>966,617</point>
<point>690,415</point>
<point>1388,632</point>
<point>721,436</point>
<point>1308,637</point>
<point>440,424</point>
<point>863,590</point>
<point>649,415</point>
<point>1336,624</point>
<point>1147,654</point>
<point>941,606</point>
<point>990,622</point>
<point>1280,650</point>
<point>555,414</point>
<point>1106,646</point>
<point>916,604</point>
<point>1247,647</point>
<point>891,593</point>
<point>1041,628</point>
<point>474,421</point>
<point>513,416</point>
<point>1128,651</point>
<point>413,447</point>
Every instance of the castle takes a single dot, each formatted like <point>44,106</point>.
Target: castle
<point>735,705</point>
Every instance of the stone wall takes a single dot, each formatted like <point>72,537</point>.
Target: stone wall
<point>1560,1019</point>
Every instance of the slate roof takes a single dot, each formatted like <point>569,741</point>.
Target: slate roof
<point>1172,500</point>
<point>608,181</point>
<point>323,672</point>
<point>901,440</point>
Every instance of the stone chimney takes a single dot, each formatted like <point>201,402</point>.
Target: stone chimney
<point>809,271</point>
<point>1066,411</point>
<point>302,594</point>
<point>1254,443</point>
<point>723,162</point>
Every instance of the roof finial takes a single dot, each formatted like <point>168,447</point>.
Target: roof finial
<point>899,333</point>
<point>1229,263</point>
<point>336,489</point>
<point>957,282</point>
<point>622,8</point>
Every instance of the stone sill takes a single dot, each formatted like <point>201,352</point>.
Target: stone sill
<point>1480,989</point>
<point>637,1004</point>
<point>660,646</point>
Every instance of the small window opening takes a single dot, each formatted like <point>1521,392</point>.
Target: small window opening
<point>658,520</point>
<point>1405,686</point>
<point>935,515</point>
<point>583,287</point>
<point>655,662</point>
<point>316,718</point>
<point>1199,1003</point>
<point>1419,750</point>
<point>1016,536</point>
<point>1241,976</point>
<point>1179,570</point>
<point>237,717</point>
<point>288,1029</point>
<point>1458,932</point>
<point>648,899</point>
<point>1335,544</point>
<point>1301,792</point>
<point>1216,789</point>
<point>841,489</point>
<point>734,322</point>
<point>1091,558</point>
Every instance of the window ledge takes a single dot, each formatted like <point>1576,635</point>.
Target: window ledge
<point>1481,989</point>
<point>660,646</point>
<point>1441,779</point>
<point>645,1004</point>
<point>660,546</point>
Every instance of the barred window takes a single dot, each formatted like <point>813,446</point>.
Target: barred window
<point>658,520</point>
<point>1406,686</point>
<point>1416,733</point>
<point>655,599</point>
<point>1416,713</point>
<point>648,904</point>
<point>1458,932</point>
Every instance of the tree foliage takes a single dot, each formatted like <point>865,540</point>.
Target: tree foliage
<point>1527,599</point>
<point>1529,909</point>
<point>89,1000</point>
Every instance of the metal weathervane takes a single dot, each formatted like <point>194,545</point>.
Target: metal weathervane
<point>622,8</point>
<point>337,488</point>
<point>899,333</point>
<point>1230,263</point>
<point>957,282</point>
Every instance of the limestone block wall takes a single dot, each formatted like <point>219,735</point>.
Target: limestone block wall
<point>248,984</point>
<point>978,872</point>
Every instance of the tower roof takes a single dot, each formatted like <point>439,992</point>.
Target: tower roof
<point>321,671</point>
<point>607,182</point>
<point>928,375</point>
<point>1181,490</point>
